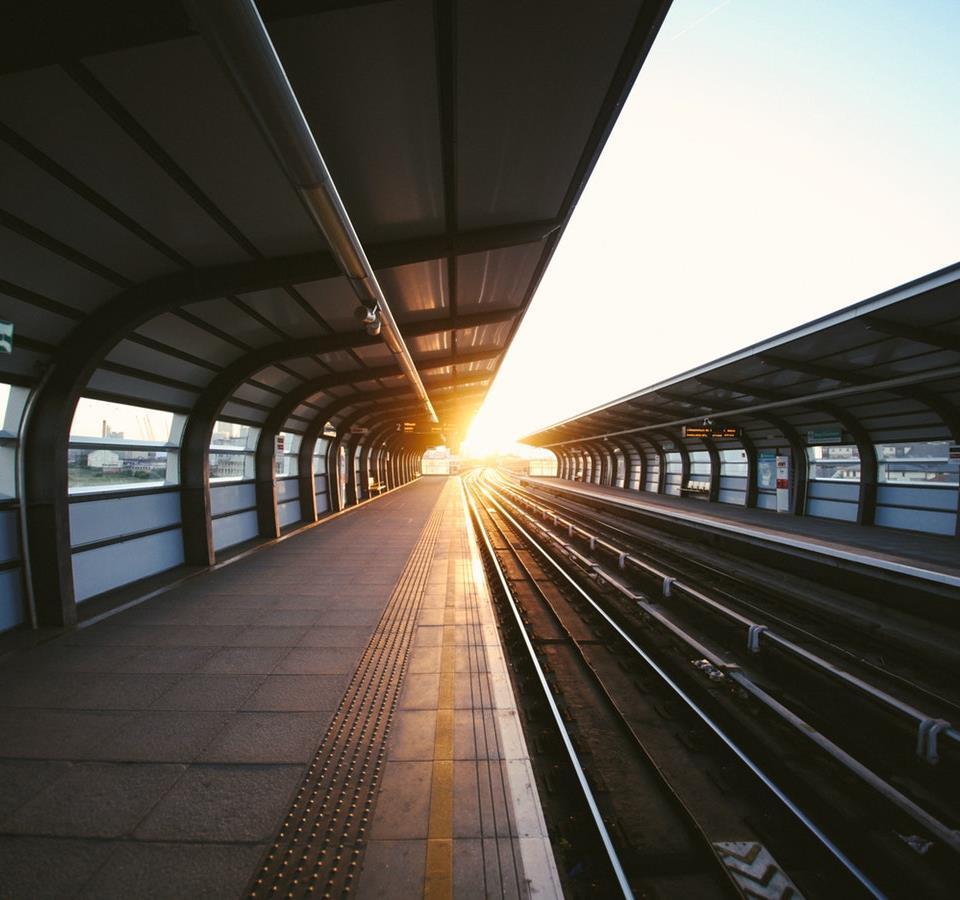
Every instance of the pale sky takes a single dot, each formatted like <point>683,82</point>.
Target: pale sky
<point>775,161</point>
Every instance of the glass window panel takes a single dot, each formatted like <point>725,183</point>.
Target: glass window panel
<point>834,462</point>
<point>226,466</point>
<point>286,453</point>
<point>4,403</point>
<point>924,463</point>
<point>733,463</point>
<point>102,468</point>
<point>95,420</point>
<point>12,401</point>
<point>233,435</point>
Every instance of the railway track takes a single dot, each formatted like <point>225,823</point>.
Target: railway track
<point>867,702</point>
<point>618,660</point>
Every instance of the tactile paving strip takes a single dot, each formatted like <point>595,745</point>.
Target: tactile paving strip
<point>320,844</point>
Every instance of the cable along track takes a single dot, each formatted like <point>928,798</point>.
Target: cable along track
<point>875,819</point>
<point>675,821</point>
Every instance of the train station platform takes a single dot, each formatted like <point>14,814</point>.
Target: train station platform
<point>926,556</point>
<point>331,712</point>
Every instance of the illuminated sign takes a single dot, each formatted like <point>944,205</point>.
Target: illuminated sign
<point>713,432</point>
<point>412,428</point>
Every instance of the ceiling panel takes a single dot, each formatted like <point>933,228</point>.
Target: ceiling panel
<point>497,279</point>
<point>103,156</point>
<point>415,289</point>
<point>210,135</point>
<point>512,165</point>
<point>378,127</point>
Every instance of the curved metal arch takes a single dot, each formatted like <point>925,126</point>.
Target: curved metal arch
<point>641,443</point>
<point>387,411</point>
<point>195,467</point>
<point>625,450</point>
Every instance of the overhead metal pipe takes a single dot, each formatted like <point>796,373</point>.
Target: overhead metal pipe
<point>235,32</point>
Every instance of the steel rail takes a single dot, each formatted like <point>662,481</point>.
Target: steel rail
<point>554,710</point>
<point>687,700</point>
<point>757,631</point>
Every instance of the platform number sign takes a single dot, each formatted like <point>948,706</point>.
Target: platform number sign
<point>6,337</point>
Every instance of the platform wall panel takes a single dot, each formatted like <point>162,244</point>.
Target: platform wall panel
<point>105,568</point>
<point>844,491</point>
<point>9,535</point>
<point>235,529</point>
<point>12,601</point>
<point>766,501</point>
<point>288,489</point>
<point>832,509</point>
<point>930,521</point>
<point>229,497</point>
<point>113,517</point>
<point>732,498</point>
<point>733,489</point>
<point>942,498</point>
<point>288,513</point>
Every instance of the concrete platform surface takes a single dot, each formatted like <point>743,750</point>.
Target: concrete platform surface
<point>155,753</point>
<point>929,556</point>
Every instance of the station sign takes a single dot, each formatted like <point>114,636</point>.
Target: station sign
<point>824,436</point>
<point>713,432</point>
<point>6,337</point>
<point>358,429</point>
<point>413,428</point>
<point>954,452</point>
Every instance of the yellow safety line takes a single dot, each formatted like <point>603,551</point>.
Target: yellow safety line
<point>438,883</point>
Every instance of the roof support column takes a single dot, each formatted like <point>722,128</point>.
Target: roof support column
<point>684,460</point>
<point>606,464</point>
<point>265,469</point>
<point>594,464</point>
<point>335,490</point>
<point>714,455</point>
<point>661,464</point>
<point>750,495</point>
<point>195,517</point>
<point>641,464</point>
<point>353,494</point>
<point>44,449</point>
<point>306,480</point>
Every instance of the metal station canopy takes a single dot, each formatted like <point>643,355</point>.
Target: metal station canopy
<point>886,369</point>
<point>157,252</point>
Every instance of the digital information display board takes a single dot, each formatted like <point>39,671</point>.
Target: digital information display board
<point>714,432</point>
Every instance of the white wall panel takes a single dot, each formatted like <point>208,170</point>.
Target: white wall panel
<point>11,599</point>
<point>105,568</point>
<point>228,497</point>
<point>9,532</point>
<point>236,529</point>
<point>289,512</point>
<point>288,489</point>
<point>100,520</point>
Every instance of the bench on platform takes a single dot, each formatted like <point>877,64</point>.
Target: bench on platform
<point>376,488</point>
<point>695,489</point>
